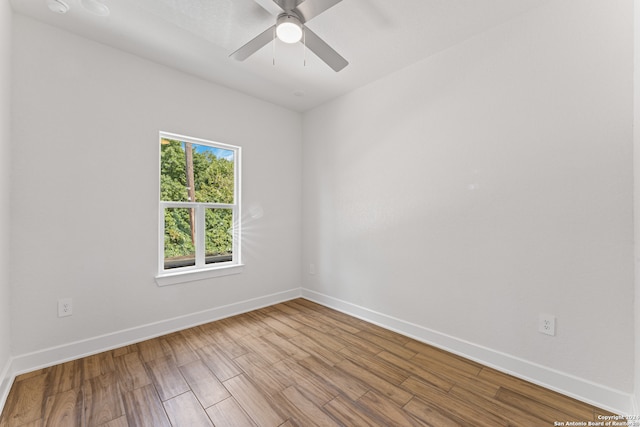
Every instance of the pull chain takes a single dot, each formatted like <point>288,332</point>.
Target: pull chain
<point>304,43</point>
<point>274,47</point>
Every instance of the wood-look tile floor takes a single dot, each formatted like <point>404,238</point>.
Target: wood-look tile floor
<point>292,364</point>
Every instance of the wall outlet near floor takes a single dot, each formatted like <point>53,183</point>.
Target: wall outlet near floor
<point>312,269</point>
<point>65,307</point>
<point>547,324</point>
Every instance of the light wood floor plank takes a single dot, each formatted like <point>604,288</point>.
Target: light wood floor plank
<point>430,355</point>
<point>286,310</point>
<point>433,353</point>
<point>393,392</point>
<point>575,409</point>
<point>327,341</point>
<point>316,349</point>
<point>455,372</point>
<point>121,351</point>
<point>314,388</point>
<point>417,370</point>
<point>348,414</point>
<point>431,416</point>
<point>269,381</point>
<point>348,385</point>
<point>327,319</point>
<point>521,402</point>
<point>96,365</point>
<point>31,374</point>
<point>283,317</point>
<point>144,409</point>
<point>235,329</point>
<point>449,403</point>
<point>220,364</point>
<point>64,409</point>
<point>102,399</point>
<point>303,411</point>
<point>386,411</point>
<point>204,384</point>
<point>178,347</point>
<point>131,371</point>
<point>385,333</point>
<point>354,341</point>
<point>167,378</point>
<point>253,322</point>
<point>25,402</point>
<point>185,411</point>
<point>387,371</point>
<point>509,413</point>
<point>36,423</point>
<point>228,413</point>
<point>118,422</point>
<point>309,322</point>
<point>151,350</point>
<point>388,345</point>
<point>266,351</point>
<point>196,337</point>
<point>279,327</point>
<point>253,402</point>
<point>288,348</point>
<point>228,346</point>
<point>64,377</point>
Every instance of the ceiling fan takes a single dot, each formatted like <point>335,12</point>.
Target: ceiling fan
<point>290,28</point>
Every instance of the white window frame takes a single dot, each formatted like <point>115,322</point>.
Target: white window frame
<point>201,270</point>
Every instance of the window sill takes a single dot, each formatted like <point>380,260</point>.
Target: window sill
<point>168,279</point>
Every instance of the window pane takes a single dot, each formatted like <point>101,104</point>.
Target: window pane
<point>173,183</point>
<point>218,235</point>
<point>195,172</point>
<point>179,238</point>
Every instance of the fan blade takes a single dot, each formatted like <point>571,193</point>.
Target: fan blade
<point>270,6</point>
<point>254,45</point>
<point>324,51</point>
<point>287,5</point>
<point>312,8</point>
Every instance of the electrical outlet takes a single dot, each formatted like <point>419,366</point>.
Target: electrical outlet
<point>312,269</point>
<point>65,307</point>
<point>547,324</point>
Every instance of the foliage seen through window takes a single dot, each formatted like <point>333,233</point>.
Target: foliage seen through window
<point>202,174</point>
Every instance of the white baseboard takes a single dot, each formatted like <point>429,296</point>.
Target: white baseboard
<point>6,381</point>
<point>569,385</point>
<point>63,353</point>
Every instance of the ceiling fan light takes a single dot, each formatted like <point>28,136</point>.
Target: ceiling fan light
<point>289,29</point>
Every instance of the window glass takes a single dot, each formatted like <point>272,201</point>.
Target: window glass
<point>198,203</point>
<point>179,238</point>
<point>196,173</point>
<point>219,235</point>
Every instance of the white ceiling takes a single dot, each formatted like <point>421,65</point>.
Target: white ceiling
<point>377,37</point>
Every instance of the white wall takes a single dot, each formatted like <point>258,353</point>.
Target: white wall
<point>636,151</point>
<point>474,190</point>
<point>85,188</point>
<point>5,138</point>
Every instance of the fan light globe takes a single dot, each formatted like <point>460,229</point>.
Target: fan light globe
<point>289,29</point>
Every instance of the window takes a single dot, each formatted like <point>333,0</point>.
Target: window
<point>199,209</point>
